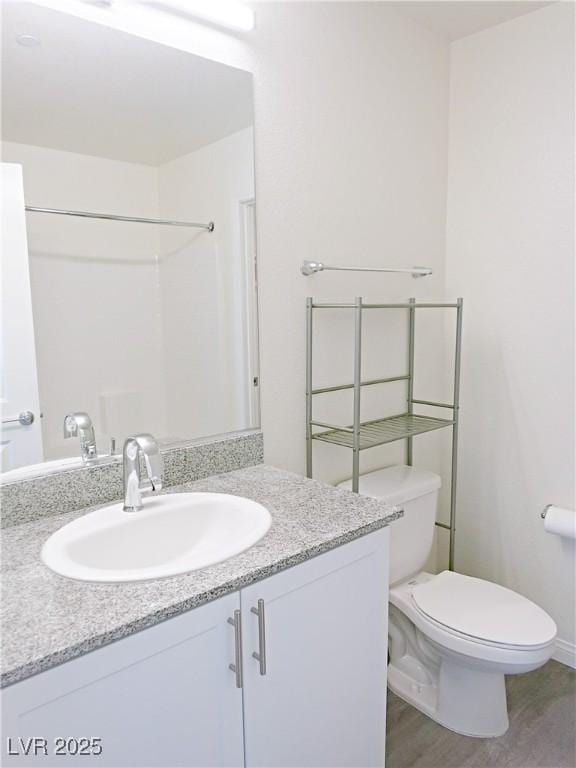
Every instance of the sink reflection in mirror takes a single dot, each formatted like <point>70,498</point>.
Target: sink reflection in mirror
<point>51,467</point>
<point>133,299</point>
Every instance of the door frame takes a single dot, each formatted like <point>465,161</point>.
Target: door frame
<point>250,308</point>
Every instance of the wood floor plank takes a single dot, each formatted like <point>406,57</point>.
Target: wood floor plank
<point>542,733</point>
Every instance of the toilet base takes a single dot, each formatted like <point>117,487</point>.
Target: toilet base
<point>468,701</point>
<point>455,680</point>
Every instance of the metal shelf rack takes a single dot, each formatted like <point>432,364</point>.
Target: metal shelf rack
<point>405,426</point>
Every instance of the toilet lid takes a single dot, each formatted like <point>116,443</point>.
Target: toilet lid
<point>483,610</point>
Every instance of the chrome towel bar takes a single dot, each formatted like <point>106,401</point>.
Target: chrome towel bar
<point>311,267</point>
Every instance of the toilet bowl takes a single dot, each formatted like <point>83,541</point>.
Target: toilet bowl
<point>452,638</point>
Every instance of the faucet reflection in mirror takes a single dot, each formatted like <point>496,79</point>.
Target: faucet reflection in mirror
<point>146,447</point>
<point>79,424</point>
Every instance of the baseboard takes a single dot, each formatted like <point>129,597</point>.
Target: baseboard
<point>565,653</point>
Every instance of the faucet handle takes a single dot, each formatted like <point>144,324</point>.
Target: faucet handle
<point>70,426</point>
<point>152,461</point>
<point>139,446</point>
<point>79,424</point>
<point>75,421</point>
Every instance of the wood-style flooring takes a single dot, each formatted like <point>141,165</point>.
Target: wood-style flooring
<point>542,733</point>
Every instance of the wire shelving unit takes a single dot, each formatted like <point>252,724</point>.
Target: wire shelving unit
<point>361,435</point>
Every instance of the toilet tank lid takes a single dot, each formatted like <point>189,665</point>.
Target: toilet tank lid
<point>397,484</point>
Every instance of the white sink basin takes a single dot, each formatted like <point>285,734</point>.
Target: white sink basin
<point>173,534</point>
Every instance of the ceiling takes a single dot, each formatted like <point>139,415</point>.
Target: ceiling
<point>453,19</point>
<point>93,90</point>
<point>97,91</point>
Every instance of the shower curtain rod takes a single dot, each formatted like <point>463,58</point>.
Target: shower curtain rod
<point>113,217</point>
<point>311,267</point>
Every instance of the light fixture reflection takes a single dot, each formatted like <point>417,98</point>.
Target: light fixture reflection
<point>225,13</point>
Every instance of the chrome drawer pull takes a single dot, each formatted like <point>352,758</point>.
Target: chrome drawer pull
<point>236,622</point>
<point>260,656</point>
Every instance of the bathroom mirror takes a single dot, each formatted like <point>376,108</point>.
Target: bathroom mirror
<point>147,327</point>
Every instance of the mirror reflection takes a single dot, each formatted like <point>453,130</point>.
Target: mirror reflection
<point>144,319</point>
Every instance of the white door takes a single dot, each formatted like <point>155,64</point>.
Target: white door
<point>322,699</point>
<point>162,697</point>
<point>21,442</point>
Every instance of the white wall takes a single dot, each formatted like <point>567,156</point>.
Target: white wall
<point>202,288</point>
<point>94,294</point>
<point>351,158</point>
<point>510,254</point>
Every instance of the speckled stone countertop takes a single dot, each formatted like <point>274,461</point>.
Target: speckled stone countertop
<point>47,619</point>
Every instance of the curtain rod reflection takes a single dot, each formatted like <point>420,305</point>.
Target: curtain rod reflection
<point>112,217</point>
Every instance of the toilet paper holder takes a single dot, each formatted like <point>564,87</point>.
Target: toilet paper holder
<point>546,510</point>
<point>559,521</point>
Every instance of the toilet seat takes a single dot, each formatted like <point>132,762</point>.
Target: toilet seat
<point>450,640</point>
<point>483,612</point>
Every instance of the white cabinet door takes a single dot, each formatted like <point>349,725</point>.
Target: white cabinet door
<point>162,697</point>
<point>322,699</point>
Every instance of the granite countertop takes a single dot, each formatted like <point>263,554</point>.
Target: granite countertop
<point>47,619</point>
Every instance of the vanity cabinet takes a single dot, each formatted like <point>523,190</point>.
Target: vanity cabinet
<point>161,697</point>
<point>312,657</point>
<point>322,699</point>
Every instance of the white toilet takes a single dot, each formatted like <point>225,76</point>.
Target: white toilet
<point>452,637</point>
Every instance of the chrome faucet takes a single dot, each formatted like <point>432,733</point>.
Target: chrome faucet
<point>146,446</point>
<point>79,424</point>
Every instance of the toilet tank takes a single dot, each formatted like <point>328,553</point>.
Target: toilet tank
<point>416,492</point>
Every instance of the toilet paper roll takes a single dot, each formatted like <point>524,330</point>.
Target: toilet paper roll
<point>560,521</point>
